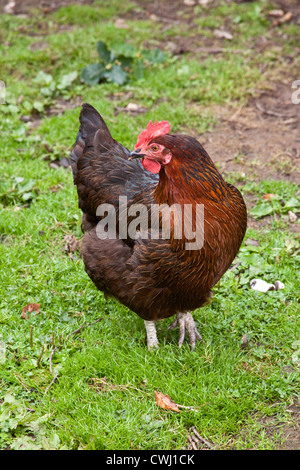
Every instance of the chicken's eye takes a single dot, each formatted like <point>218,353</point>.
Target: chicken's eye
<point>154,148</point>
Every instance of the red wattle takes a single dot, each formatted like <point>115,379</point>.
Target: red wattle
<point>151,165</point>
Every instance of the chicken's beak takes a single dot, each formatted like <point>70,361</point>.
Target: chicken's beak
<point>136,154</point>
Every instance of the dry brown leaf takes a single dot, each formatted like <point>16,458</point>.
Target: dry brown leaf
<point>29,308</point>
<point>287,17</point>
<point>268,196</point>
<point>165,402</point>
<point>71,244</point>
<point>244,341</point>
<point>276,13</point>
<point>283,19</point>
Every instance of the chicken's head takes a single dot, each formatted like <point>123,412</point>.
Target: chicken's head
<point>153,154</point>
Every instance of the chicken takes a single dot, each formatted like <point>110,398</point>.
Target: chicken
<point>155,273</point>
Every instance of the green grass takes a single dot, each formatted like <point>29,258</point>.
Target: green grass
<point>228,388</point>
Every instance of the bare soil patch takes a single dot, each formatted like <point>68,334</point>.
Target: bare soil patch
<point>288,433</point>
<point>284,431</point>
<point>260,138</point>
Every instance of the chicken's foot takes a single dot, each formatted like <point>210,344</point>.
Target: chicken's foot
<point>152,340</point>
<point>185,322</point>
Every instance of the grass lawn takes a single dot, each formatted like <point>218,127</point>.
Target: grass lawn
<point>95,388</point>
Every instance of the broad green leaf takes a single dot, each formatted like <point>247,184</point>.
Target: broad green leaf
<point>124,49</point>
<point>138,69</point>
<point>104,53</point>
<point>9,398</point>
<point>124,61</point>
<point>43,78</point>
<point>292,203</point>
<point>67,80</point>
<point>93,73</point>
<point>24,443</point>
<point>19,179</point>
<point>48,90</point>
<point>116,74</point>
<point>26,187</point>
<point>2,352</point>
<point>27,196</point>
<point>261,210</point>
<point>39,106</point>
<point>156,56</point>
<point>12,108</point>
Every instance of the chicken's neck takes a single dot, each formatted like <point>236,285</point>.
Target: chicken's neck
<point>190,183</point>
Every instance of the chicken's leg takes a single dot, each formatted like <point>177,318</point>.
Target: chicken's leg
<point>152,340</point>
<point>186,322</point>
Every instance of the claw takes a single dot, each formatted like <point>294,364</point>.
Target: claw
<point>185,322</point>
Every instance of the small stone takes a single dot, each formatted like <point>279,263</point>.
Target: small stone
<point>292,216</point>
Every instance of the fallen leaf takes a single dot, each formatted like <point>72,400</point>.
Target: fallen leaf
<point>165,402</point>
<point>55,164</point>
<point>283,19</point>
<point>287,17</point>
<point>131,108</point>
<point>223,34</point>
<point>268,196</point>
<point>29,308</point>
<point>71,244</point>
<point>276,13</point>
<point>121,24</point>
<point>245,341</point>
<point>56,187</point>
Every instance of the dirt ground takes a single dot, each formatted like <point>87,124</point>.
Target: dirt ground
<point>261,138</point>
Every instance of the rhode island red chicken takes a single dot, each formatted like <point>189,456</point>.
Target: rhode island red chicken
<point>155,270</point>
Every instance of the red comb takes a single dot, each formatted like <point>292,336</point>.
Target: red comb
<point>153,130</point>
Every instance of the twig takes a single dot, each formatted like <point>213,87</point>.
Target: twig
<point>219,50</point>
<point>201,438</point>
<point>234,266</point>
<point>50,360</point>
<point>233,157</point>
<point>235,115</point>
<point>50,385</point>
<point>81,328</point>
<point>20,380</point>
<point>192,442</point>
<point>271,113</point>
<point>191,408</point>
<point>31,338</point>
<point>40,357</point>
<point>67,338</point>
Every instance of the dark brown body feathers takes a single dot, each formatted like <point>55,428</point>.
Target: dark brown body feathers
<point>155,278</point>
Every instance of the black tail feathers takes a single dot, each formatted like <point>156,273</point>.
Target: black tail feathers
<point>90,123</point>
